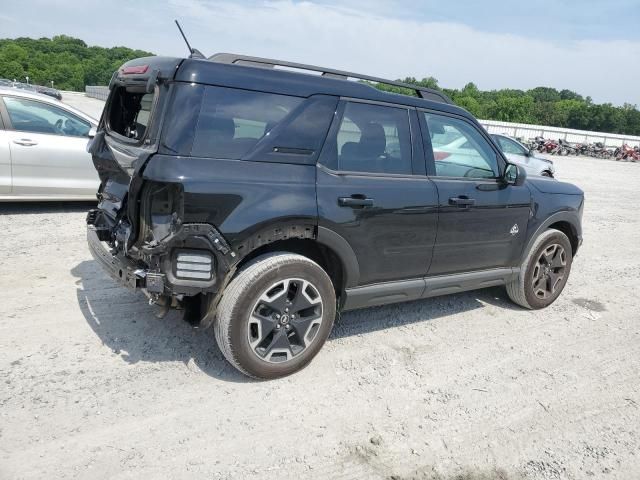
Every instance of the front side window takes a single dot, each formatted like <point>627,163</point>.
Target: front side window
<point>460,150</point>
<point>39,117</point>
<point>232,121</point>
<point>374,139</point>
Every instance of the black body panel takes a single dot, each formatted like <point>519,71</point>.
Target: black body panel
<point>479,236</point>
<point>393,239</point>
<point>242,199</point>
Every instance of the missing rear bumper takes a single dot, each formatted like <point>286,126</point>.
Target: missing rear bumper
<point>195,260</point>
<point>125,271</point>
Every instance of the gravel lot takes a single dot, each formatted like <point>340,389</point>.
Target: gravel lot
<point>93,385</point>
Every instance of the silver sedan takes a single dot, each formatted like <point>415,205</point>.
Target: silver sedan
<point>519,154</point>
<point>43,149</point>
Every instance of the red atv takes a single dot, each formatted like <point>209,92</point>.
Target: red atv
<point>627,153</point>
<point>551,146</point>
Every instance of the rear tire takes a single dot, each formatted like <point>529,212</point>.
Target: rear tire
<point>544,272</point>
<point>275,315</point>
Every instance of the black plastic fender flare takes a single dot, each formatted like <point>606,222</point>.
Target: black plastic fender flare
<point>347,256</point>
<point>570,217</point>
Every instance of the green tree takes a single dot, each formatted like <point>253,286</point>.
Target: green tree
<point>545,94</point>
<point>68,61</point>
<point>472,105</point>
<point>509,108</point>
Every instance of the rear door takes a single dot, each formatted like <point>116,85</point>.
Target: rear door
<point>48,150</point>
<point>482,221</point>
<point>372,190</point>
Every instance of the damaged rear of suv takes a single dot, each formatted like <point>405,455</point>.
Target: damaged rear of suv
<point>141,214</point>
<point>200,173</point>
<point>262,200</point>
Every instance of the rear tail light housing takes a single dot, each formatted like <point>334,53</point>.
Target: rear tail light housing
<point>134,70</point>
<point>162,210</point>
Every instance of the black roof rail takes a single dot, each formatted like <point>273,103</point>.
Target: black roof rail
<point>232,58</point>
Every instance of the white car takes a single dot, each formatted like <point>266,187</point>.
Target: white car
<point>43,149</point>
<point>519,154</point>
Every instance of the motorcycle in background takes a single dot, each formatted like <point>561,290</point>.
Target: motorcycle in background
<point>627,153</point>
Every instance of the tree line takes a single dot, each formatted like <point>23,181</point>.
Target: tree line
<point>540,106</point>
<point>71,65</point>
<point>66,61</point>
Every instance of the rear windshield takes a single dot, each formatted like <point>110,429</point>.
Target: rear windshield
<point>129,113</point>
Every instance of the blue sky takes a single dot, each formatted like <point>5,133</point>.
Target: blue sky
<point>592,47</point>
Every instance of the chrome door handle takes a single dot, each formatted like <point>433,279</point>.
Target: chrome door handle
<point>27,142</point>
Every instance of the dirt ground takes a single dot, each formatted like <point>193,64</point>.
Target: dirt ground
<point>93,385</point>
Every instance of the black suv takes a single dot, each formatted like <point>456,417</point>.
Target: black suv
<point>262,197</point>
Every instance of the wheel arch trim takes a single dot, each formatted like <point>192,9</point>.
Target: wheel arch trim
<point>566,216</point>
<point>345,253</point>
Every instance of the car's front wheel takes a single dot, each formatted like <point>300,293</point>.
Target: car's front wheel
<point>544,272</point>
<point>275,315</point>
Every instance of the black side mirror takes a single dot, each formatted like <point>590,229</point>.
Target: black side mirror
<point>514,175</point>
<point>531,152</point>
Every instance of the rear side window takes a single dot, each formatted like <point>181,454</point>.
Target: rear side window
<point>373,139</point>
<point>233,121</point>
<point>129,113</point>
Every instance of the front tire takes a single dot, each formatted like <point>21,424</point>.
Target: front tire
<point>544,272</point>
<point>275,315</point>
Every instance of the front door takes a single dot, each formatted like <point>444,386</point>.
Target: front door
<point>372,190</point>
<point>482,221</point>
<point>48,150</point>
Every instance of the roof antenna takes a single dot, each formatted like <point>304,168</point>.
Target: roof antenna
<point>194,52</point>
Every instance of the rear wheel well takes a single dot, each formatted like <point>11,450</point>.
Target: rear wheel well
<point>322,255</point>
<point>570,232</point>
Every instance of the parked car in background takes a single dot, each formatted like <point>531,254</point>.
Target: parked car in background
<point>519,154</point>
<point>52,92</point>
<point>43,149</point>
